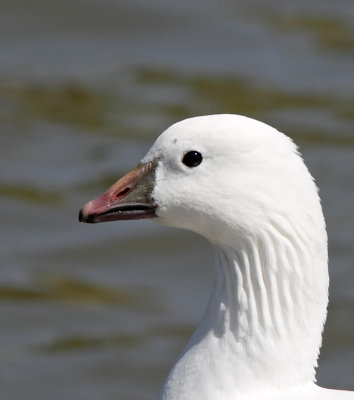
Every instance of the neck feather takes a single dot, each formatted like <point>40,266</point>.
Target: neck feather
<point>263,324</point>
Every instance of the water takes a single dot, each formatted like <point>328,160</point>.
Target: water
<point>102,311</point>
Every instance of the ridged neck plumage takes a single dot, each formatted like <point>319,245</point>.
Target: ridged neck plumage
<point>263,324</point>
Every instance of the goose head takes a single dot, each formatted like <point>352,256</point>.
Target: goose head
<point>221,176</point>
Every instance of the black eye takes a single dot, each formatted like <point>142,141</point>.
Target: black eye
<point>192,158</point>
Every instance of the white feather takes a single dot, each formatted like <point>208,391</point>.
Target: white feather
<point>254,199</point>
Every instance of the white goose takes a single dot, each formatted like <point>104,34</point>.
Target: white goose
<point>242,185</point>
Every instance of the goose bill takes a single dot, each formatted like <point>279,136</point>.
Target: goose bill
<point>129,198</point>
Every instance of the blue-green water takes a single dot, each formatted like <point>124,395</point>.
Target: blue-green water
<point>101,312</point>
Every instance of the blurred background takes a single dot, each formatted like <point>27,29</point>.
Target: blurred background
<point>101,312</point>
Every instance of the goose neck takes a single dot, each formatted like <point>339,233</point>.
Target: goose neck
<point>268,306</point>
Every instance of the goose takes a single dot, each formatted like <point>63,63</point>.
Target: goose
<point>243,186</point>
